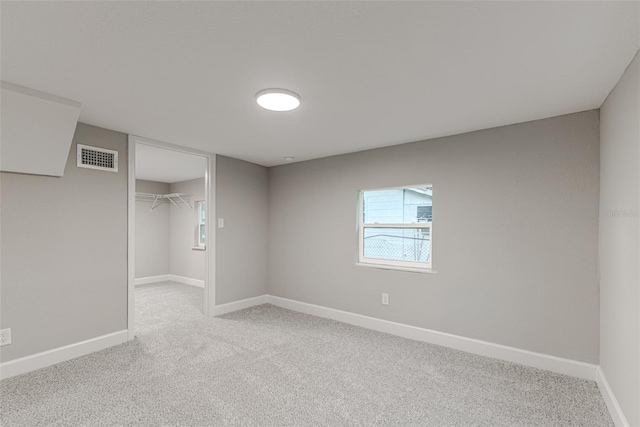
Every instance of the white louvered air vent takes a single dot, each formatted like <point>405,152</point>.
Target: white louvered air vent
<point>97,158</point>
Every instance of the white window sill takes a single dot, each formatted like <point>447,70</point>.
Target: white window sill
<point>199,248</point>
<point>398,268</point>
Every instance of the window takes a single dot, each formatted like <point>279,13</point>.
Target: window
<point>395,227</point>
<point>200,237</point>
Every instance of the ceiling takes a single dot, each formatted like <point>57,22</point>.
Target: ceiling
<point>370,74</point>
<point>162,165</point>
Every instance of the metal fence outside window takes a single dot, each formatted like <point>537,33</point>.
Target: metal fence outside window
<point>398,248</point>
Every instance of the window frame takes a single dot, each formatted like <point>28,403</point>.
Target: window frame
<point>393,264</point>
<point>199,222</point>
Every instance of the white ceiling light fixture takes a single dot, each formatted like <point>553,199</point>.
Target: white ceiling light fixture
<point>278,99</point>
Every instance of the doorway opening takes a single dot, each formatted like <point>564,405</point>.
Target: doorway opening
<point>169,241</point>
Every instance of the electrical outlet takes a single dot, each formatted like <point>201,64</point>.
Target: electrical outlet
<point>5,336</point>
<point>385,299</point>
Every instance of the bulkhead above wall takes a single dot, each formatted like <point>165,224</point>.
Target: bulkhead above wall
<point>37,130</point>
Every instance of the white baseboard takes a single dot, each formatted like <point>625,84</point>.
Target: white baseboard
<point>470,345</point>
<point>610,399</point>
<point>187,280</point>
<point>57,355</point>
<point>239,305</point>
<point>152,279</point>
<point>167,278</point>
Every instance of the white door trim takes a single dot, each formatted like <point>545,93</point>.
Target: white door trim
<point>210,230</point>
<point>131,236</point>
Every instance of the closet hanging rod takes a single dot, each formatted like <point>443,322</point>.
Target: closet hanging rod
<point>170,197</point>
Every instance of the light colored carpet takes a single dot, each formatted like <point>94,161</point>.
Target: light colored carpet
<point>266,366</point>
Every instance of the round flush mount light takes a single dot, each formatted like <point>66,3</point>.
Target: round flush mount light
<point>278,99</point>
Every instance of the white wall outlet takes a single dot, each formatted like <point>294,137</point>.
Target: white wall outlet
<point>220,222</point>
<point>385,299</point>
<point>5,336</point>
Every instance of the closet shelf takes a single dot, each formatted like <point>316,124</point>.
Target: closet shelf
<point>175,198</point>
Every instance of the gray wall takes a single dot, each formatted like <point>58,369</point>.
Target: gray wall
<point>620,241</point>
<point>515,223</point>
<point>64,252</point>
<point>152,232</point>
<point>185,261</point>
<point>241,246</point>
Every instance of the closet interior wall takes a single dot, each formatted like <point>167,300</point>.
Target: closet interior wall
<point>152,232</point>
<point>165,236</point>
<point>186,261</point>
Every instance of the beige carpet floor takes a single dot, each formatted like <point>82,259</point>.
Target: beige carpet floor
<point>266,366</point>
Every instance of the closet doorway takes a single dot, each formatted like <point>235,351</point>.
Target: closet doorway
<point>168,238</point>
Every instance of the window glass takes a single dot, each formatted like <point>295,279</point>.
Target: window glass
<point>396,205</point>
<point>399,244</point>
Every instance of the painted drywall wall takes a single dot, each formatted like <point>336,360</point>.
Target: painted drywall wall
<point>64,252</point>
<point>619,243</point>
<point>241,246</point>
<point>515,223</point>
<point>152,231</point>
<point>186,261</point>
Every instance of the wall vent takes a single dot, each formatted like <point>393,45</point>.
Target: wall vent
<point>97,158</point>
